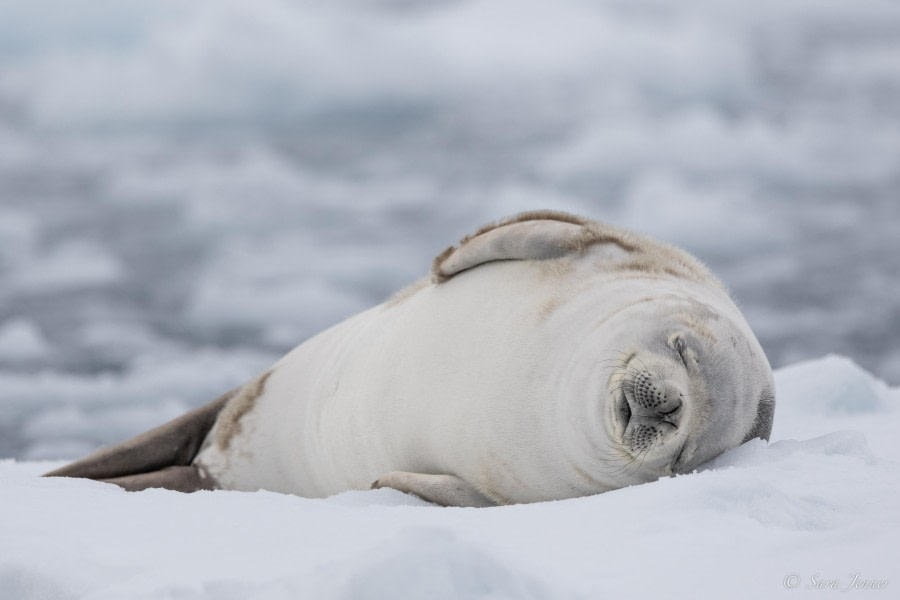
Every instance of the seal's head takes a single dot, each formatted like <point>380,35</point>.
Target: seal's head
<point>684,388</point>
<point>652,368</point>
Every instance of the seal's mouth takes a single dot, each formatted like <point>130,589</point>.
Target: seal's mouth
<point>622,412</point>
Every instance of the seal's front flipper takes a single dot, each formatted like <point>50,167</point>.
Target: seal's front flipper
<point>446,490</point>
<point>160,457</point>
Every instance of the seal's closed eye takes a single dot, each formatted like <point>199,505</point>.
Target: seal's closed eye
<point>680,347</point>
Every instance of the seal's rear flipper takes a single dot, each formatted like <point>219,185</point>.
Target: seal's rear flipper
<point>160,457</point>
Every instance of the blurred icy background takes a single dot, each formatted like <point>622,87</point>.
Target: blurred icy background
<point>188,189</point>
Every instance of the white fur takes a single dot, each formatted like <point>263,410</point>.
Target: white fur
<point>501,376</point>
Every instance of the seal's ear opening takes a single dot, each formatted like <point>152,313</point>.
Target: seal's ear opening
<point>161,457</point>
<point>765,415</point>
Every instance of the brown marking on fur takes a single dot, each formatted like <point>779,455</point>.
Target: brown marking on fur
<point>698,317</point>
<point>557,267</point>
<point>650,264</point>
<point>436,274</point>
<point>637,265</point>
<point>487,479</point>
<point>586,477</point>
<point>700,327</point>
<point>229,424</point>
<point>593,234</point>
<point>495,497</point>
<point>531,215</point>
<point>406,293</point>
<point>673,272</point>
<point>548,307</point>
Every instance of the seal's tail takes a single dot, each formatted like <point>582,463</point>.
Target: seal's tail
<point>161,457</point>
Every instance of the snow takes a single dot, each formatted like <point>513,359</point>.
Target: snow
<point>820,501</point>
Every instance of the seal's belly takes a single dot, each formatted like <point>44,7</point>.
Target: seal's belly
<point>392,389</point>
<point>323,422</point>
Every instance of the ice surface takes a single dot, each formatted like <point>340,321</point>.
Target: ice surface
<point>820,501</point>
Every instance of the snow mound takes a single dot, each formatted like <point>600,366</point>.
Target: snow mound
<point>832,385</point>
<point>819,502</point>
<point>435,564</point>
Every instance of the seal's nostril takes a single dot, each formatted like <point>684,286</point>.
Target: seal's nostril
<point>671,410</point>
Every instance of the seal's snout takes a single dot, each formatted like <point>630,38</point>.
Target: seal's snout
<point>647,410</point>
<point>652,399</point>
